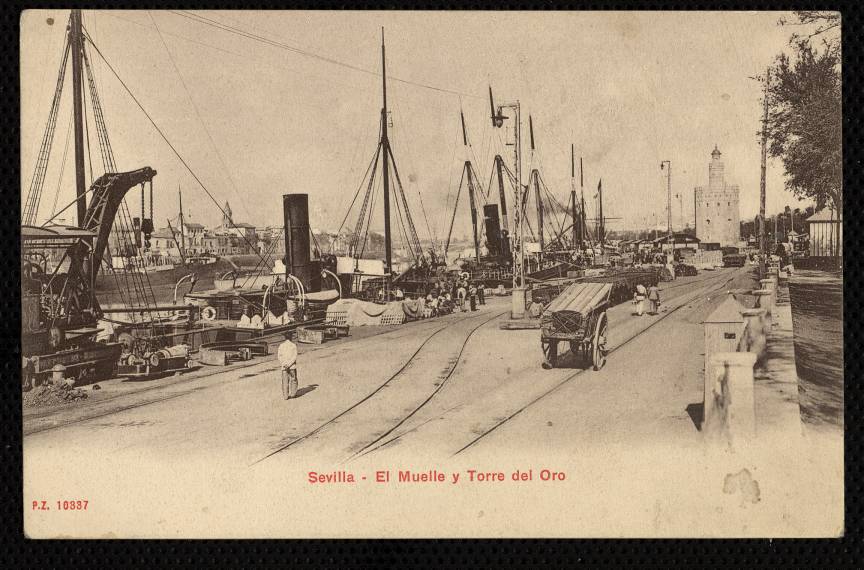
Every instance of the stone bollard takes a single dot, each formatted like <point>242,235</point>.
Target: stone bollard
<point>754,337</point>
<point>723,330</point>
<point>519,301</point>
<point>764,299</point>
<point>57,374</point>
<point>729,409</point>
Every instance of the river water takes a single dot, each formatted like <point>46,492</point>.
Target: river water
<point>817,320</point>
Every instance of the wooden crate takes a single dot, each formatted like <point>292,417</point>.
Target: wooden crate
<point>309,335</point>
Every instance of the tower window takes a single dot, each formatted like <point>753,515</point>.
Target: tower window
<point>718,203</point>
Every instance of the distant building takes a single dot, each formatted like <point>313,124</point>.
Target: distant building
<point>246,233</point>
<point>162,242</point>
<point>717,218</point>
<point>679,240</point>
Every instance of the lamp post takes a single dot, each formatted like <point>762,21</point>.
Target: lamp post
<point>763,246</point>
<point>668,167</point>
<point>517,310</point>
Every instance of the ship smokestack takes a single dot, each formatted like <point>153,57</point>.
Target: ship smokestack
<point>493,229</point>
<point>298,256</point>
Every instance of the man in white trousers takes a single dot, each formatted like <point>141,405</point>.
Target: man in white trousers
<point>287,356</point>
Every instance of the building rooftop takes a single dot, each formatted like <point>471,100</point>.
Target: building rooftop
<point>824,215</point>
<point>677,237</point>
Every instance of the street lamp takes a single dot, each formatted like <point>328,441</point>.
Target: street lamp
<point>668,166</point>
<point>517,310</point>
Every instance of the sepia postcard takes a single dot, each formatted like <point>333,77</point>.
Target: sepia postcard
<point>300,274</point>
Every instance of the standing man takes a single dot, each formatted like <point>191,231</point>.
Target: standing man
<point>472,295</point>
<point>461,293</point>
<point>639,299</point>
<point>287,356</point>
<point>481,293</point>
<point>654,299</point>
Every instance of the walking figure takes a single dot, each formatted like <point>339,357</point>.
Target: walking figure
<point>654,299</point>
<point>639,299</point>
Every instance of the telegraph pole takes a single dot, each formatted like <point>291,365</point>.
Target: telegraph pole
<point>668,166</point>
<point>575,239</point>
<point>762,237</point>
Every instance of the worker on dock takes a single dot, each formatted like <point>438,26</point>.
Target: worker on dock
<point>461,294</point>
<point>654,300</point>
<point>472,296</point>
<point>639,299</point>
<point>287,356</point>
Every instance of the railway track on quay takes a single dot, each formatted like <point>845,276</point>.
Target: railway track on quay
<point>576,374</point>
<point>383,441</point>
<point>391,380</point>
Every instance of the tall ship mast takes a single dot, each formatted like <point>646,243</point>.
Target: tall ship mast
<point>360,271</point>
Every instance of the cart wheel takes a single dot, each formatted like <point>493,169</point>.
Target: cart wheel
<point>598,346</point>
<point>550,353</point>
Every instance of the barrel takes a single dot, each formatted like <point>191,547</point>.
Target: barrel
<point>816,298</point>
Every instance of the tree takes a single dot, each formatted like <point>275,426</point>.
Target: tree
<point>821,23</point>
<point>805,120</point>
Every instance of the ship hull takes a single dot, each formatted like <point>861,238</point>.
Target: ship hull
<point>117,288</point>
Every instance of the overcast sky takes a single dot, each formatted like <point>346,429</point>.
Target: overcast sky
<point>255,121</point>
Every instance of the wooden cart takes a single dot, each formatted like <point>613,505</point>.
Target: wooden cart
<point>578,317</point>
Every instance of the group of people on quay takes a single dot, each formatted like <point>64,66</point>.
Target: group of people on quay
<point>455,294</point>
<point>447,295</point>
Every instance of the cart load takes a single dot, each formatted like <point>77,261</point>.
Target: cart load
<point>624,281</point>
<point>577,316</point>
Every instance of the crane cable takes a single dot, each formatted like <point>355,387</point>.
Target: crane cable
<point>168,142</point>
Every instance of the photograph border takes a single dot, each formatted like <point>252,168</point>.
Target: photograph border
<point>22,552</point>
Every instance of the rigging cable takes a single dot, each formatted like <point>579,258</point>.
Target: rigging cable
<point>124,226</point>
<point>411,164</point>
<point>62,167</point>
<point>165,138</point>
<point>274,43</point>
<point>356,194</point>
<point>358,227</point>
<point>37,182</point>
<point>371,210</point>
<point>198,114</point>
<point>410,221</point>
